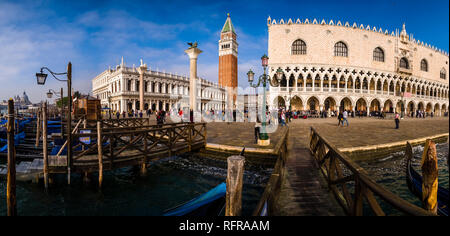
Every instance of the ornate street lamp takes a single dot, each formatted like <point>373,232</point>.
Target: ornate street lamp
<point>264,139</point>
<point>51,92</point>
<point>41,78</point>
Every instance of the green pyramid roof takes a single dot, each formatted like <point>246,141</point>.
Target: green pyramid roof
<point>228,26</point>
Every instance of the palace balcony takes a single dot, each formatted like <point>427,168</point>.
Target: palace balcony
<point>347,92</point>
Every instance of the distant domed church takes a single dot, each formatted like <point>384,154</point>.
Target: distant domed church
<point>23,101</point>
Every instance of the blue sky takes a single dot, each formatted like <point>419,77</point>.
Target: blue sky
<point>94,35</point>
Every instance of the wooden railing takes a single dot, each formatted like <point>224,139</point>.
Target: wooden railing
<point>122,122</point>
<point>351,184</point>
<point>125,146</point>
<point>274,184</point>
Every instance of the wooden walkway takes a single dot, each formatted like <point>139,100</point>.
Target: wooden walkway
<point>304,191</point>
<point>129,146</point>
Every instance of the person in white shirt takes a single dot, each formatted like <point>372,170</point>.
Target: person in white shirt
<point>345,116</point>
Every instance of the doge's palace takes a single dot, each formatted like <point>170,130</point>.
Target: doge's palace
<point>335,65</point>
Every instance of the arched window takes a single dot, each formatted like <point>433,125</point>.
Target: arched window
<point>378,54</point>
<point>443,74</point>
<point>423,65</point>
<point>404,63</point>
<point>340,50</point>
<point>298,47</point>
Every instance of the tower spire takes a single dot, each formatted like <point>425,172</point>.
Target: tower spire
<point>228,26</point>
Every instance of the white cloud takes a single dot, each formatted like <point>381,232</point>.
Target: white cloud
<point>94,40</point>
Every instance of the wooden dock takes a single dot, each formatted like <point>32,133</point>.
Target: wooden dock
<point>26,170</point>
<point>129,146</point>
<point>303,191</point>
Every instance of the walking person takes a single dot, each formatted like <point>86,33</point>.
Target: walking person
<point>283,118</point>
<point>397,120</point>
<point>340,119</point>
<point>118,115</point>
<point>345,116</point>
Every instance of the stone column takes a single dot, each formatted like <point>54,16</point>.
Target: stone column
<point>193,53</point>
<point>142,69</point>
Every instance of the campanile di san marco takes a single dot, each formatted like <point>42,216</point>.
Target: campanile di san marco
<point>228,67</point>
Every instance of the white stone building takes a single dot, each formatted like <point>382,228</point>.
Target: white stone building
<point>332,65</point>
<point>118,89</point>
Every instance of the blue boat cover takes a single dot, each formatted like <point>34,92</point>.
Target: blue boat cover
<point>212,195</point>
<point>17,139</point>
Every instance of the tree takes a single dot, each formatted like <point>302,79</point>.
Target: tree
<point>64,101</point>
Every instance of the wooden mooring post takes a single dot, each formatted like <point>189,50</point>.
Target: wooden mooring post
<point>235,176</point>
<point>11,174</point>
<point>38,125</point>
<point>144,162</point>
<point>430,177</point>
<point>100,153</point>
<point>44,144</point>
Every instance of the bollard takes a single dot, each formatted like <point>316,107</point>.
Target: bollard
<point>44,144</point>
<point>100,153</point>
<point>235,176</point>
<point>430,176</point>
<point>11,175</point>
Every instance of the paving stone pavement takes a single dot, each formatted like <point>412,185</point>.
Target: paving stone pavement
<point>360,132</point>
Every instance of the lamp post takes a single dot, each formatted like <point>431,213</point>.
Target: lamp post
<point>41,78</point>
<point>109,106</point>
<point>264,139</point>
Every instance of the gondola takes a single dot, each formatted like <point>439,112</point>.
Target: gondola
<point>414,181</point>
<point>211,203</point>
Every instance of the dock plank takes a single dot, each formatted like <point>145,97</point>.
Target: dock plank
<point>304,191</point>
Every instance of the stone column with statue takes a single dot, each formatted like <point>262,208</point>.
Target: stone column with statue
<point>142,69</point>
<point>193,53</point>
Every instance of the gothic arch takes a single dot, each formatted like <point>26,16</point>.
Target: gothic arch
<point>312,103</point>
<point>297,103</point>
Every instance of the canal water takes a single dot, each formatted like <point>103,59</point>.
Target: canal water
<point>390,173</point>
<point>168,183</point>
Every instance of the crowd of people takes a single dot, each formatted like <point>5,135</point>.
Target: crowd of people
<point>160,115</point>
<point>285,116</point>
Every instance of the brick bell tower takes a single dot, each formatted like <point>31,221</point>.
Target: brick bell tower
<point>228,52</point>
